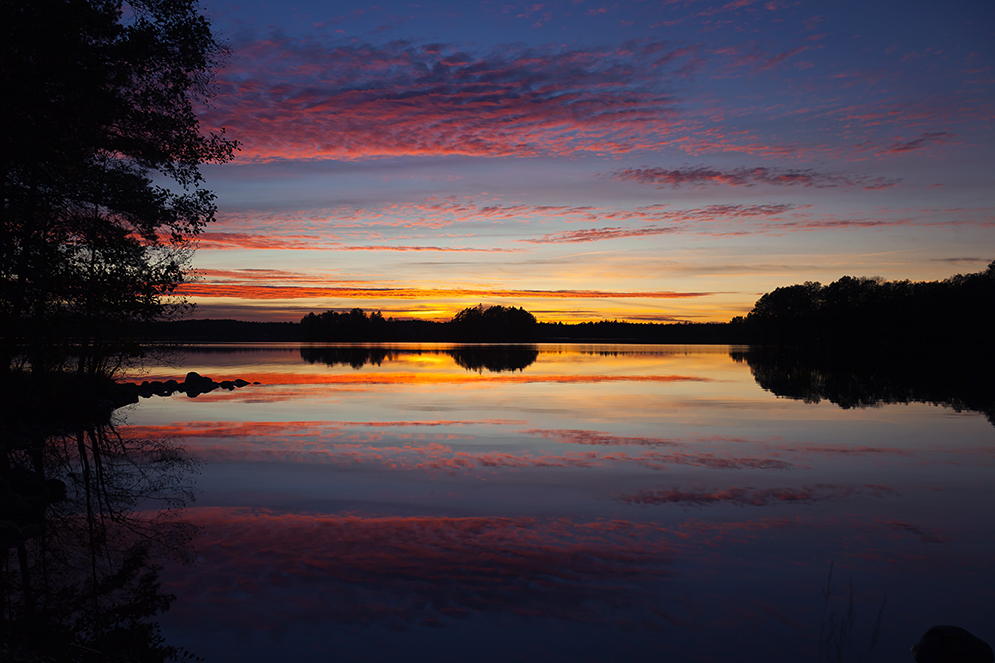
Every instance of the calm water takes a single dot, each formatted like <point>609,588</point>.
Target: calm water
<point>565,503</point>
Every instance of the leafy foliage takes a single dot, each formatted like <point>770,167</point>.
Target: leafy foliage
<point>101,188</point>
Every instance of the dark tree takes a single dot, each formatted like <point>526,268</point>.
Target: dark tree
<point>787,314</point>
<point>494,324</point>
<point>855,311</point>
<point>356,325</point>
<point>99,163</point>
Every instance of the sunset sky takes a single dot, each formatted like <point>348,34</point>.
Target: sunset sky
<point>641,160</point>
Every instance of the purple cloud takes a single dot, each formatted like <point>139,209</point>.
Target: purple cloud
<point>704,175</point>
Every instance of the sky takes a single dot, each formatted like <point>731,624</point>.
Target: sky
<point>647,160</point>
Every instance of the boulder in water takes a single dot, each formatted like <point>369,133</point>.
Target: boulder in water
<point>951,644</point>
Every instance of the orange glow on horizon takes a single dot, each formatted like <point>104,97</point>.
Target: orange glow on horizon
<point>250,300</point>
<point>294,292</point>
<point>293,312</point>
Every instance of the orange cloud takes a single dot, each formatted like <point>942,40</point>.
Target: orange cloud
<point>439,213</point>
<point>240,291</point>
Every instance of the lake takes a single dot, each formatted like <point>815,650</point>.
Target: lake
<point>573,503</point>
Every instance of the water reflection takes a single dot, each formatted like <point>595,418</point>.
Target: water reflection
<point>355,355</point>
<point>410,571</point>
<point>858,379</point>
<point>87,515</point>
<point>494,358</point>
<point>606,503</point>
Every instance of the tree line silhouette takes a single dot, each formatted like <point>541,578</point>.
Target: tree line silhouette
<point>851,311</point>
<point>475,324</point>
<point>494,324</point>
<point>861,311</point>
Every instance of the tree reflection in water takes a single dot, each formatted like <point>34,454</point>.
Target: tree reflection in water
<point>864,379</point>
<point>87,515</point>
<point>493,358</point>
<point>356,356</point>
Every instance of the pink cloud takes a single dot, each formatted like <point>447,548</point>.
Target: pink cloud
<point>431,214</point>
<point>287,99</point>
<point>598,234</point>
<point>710,213</point>
<point>247,241</point>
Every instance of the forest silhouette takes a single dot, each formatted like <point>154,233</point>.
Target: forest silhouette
<point>870,311</point>
<point>849,312</point>
<point>475,324</point>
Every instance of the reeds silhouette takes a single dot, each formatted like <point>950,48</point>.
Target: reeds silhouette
<point>837,637</point>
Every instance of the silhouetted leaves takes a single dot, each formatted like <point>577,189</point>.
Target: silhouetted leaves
<point>95,107</point>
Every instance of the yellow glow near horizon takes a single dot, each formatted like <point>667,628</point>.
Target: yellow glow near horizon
<point>542,310</point>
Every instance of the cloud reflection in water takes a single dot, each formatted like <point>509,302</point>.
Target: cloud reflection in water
<point>602,503</point>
